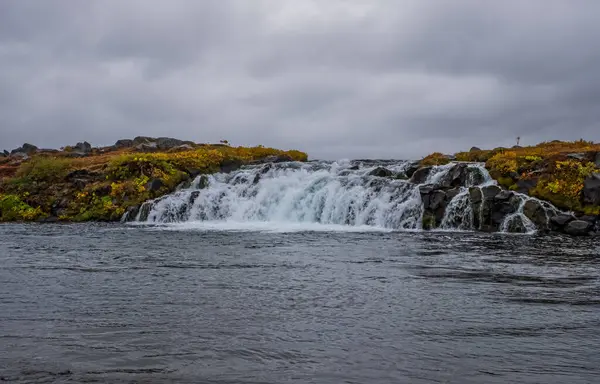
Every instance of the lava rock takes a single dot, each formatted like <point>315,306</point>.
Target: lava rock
<point>123,143</point>
<point>525,185</point>
<point>474,149</point>
<point>131,213</point>
<point>559,221</point>
<point>591,189</point>
<point>576,156</point>
<point>535,212</point>
<point>455,177</point>
<point>85,148</point>
<point>155,185</point>
<point>420,175</point>
<point>452,193</point>
<point>504,196</point>
<point>381,172</point>
<point>490,191</point>
<point>412,168</point>
<point>475,195</point>
<point>578,228</point>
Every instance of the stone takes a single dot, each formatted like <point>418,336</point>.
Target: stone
<point>475,195</point>
<point>2,154</point>
<point>474,149</point>
<point>560,220</point>
<point>578,228</point>
<point>381,172</point>
<point>452,193</point>
<point>6,153</point>
<point>165,143</point>
<point>354,168</point>
<point>516,225</point>
<point>535,212</point>
<point>181,148</point>
<point>455,177</point>
<point>146,147</point>
<point>229,166</point>
<point>576,156</point>
<point>490,191</point>
<point>504,196</point>
<point>19,155</point>
<point>142,140</point>
<point>525,185</point>
<point>597,160</point>
<point>27,149</point>
<point>420,175</point>
<point>123,143</point>
<point>155,185</point>
<point>437,200</point>
<point>412,168</point>
<point>85,148</point>
<point>131,213</point>
<point>591,189</point>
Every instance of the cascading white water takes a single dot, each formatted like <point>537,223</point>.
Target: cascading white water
<point>344,193</point>
<point>325,193</point>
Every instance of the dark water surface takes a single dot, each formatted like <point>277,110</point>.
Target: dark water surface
<point>99,303</point>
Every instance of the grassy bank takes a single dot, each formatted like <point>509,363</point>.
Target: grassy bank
<point>102,185</point>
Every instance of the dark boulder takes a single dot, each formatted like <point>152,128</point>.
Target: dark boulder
<point>452,193</point>
<point>577,156</point>
<point>490,191</point>
<point>559,221</point>
<point>165,143</point>
<point>26,148</point>
<point>412,168</point>
<point>146,147</point>
<point>84,148</point>
<point>535,212</point>
<point>504,196</point>
<point>229,166</point>
<point>597,160</point>
<point>123,143</point>
<point>455,177</point>
<point>525,185</point>
<point>155,185</point>
<point>381,172</point>
<point>420,175</point>
<point>591,189</point>
<point>131,213</point>
<point>578,228</point>
<point>516,225</point>
<point>474,149</point>
<point>203,182</point>
<point>354,167</point>
<point>475,195</point>
<point>142,140</point>
<point>181,148</point>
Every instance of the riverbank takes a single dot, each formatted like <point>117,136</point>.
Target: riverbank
<point>81,183</point>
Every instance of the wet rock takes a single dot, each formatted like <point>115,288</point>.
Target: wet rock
<point>597,160</point>
<point>412,168</point>
<point>475,176</point>
<point>421,175</point>
<point>193,197</point>
<point>516,225</point>
<point>578,228</point>
<point>266,168</point>
<point>131,213</point>
<point>381,172</point>
<point>229,166</point>
<point>576,156</point>
<point>535,212</point>
<point>155,185</point>
<point>145,210</point>
<point>256,179</point>
<point>354,168</point>
<point>490,191</point>
<point>591,189</point>
<point>203,182</point>
<point>452,193</point>
<point>559,221</point>
<point>455,177</point>
<point>504,196</point>
<point>475,195</point>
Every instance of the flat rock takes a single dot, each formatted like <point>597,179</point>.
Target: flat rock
<point>578,228</point>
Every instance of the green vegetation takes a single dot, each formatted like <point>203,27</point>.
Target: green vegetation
<point>101,187</point>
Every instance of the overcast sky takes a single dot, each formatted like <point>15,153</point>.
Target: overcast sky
<point>336,78</point>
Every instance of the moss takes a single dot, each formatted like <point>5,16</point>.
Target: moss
<point>13,208</point>
<point>506,181</point>
<point>435,158</point>
<point>108,182</point>
<point>428,221</point>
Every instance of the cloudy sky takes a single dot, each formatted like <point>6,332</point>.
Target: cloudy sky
<point>336,78</point>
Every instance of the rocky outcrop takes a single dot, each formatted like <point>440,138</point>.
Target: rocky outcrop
<point>26,148</point>
<point>591,189</point>
<point>381,172</point>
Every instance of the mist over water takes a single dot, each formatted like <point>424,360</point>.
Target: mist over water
<point>216,302</point>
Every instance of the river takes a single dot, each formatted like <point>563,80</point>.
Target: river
<point>295,303</point>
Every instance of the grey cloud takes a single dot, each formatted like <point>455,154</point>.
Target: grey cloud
<point>339,79</point>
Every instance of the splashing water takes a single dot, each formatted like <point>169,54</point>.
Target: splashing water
<point>329,194</point>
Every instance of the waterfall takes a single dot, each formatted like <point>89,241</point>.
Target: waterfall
<point>363,193</point>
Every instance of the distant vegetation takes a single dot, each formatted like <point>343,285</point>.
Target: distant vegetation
<point>103,183</point>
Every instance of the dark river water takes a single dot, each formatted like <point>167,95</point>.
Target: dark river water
<point>118,304</point>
